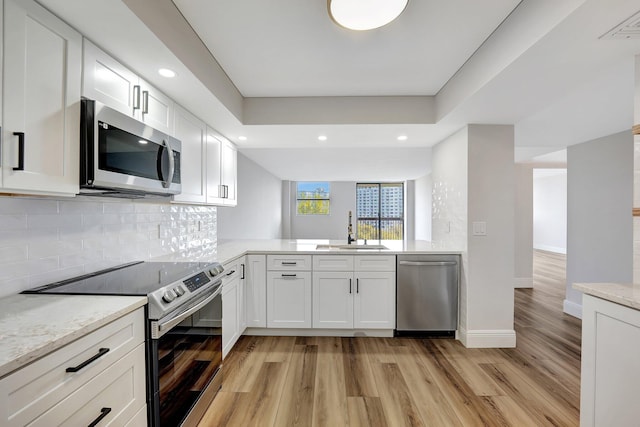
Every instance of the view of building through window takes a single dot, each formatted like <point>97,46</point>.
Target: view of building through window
<point>313,198</point>
<point>380,211</point>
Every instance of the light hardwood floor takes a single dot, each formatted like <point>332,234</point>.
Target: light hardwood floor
<point>288,381</point>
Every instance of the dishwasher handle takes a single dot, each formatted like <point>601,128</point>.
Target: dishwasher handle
<point>427,263</point>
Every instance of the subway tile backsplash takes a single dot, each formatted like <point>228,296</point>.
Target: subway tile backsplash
<point>44,240</point>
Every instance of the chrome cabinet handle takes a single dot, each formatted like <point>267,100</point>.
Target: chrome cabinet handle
<point>136,97</point>
<point>101,352</point>
<point>20,136</point>
<point>103,413</point>
<point>145,102</point>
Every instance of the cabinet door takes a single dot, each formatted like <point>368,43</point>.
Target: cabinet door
<point>288,299</point>
<point>229,173</point>
<point>41,103</point>
<point>192,132</point>
<point>214,174</point>
<point>256,291</point>
<point>230,323</point>
<point>156,109</point>
<point>108,81</point>
<point>375,300</point>
<point>333,300</point>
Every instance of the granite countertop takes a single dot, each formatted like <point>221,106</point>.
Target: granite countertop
<point>32,326</point>
<point>626,294</point>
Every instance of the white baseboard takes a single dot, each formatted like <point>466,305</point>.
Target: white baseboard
<point>318,332</point>
<point>572,309</point>
<point>491,338</point>
<point>548,248</point>
<point>523,282</point>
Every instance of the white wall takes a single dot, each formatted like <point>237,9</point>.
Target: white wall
<point>332,226</point>
<point>550,210</point>
<point>523,249</point>
<point>473,176</point>
<point>599,225</point>
<point>258,214</point>
<point>490,272</point>
<point>422,214</point>
<point>45,240</point>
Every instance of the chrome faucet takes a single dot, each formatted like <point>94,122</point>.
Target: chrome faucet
<point>350,231</point>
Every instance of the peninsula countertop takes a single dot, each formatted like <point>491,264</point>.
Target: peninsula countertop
<point>230,249</point>
<point>626,294</point>
<point>32,326</point>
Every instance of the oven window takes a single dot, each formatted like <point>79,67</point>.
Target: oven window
<point>188,358</point>
<point>126,153</point>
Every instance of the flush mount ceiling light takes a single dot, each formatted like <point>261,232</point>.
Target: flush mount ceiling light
<point>165,72</point>
<point>365,14</point>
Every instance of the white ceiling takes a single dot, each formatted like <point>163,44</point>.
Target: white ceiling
<point>281,73</point>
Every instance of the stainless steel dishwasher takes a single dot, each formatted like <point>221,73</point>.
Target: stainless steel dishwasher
<point>427,294</point>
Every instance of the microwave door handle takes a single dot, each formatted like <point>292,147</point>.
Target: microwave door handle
<point>166,183</point>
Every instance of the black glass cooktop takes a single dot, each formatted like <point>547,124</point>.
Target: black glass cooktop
<point>134,279</point>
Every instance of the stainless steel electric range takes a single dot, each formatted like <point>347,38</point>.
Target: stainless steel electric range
<point>184,355</point>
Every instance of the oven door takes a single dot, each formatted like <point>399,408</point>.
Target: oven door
<point>185,363</point>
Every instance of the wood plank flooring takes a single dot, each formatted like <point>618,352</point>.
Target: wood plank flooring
<point>289,381</point>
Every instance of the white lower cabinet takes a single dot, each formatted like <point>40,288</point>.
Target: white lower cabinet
<point>256,291</point>
<point>232,304</point>
<point>289,299</point>
<point>333,293</point>
<point>99,375</point>
<point>610,373</point>
<point>353,298</point>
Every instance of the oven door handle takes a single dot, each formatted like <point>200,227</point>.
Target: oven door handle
<point>164,327</point>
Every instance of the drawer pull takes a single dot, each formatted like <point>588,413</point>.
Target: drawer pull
<point>231,272</point>
<point>288,275</point>
<point>289,262</point>
<point>101,352</point>
<point>349,285</point>
<point>103,413</point>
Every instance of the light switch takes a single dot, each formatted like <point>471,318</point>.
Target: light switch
<point>479,228</point>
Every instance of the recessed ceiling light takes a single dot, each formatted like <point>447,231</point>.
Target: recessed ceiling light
<point>242,138</point>
<point>165,72</point>
<point>322,138</point>
<point>365,14</point>
<point>142,141</point>
<point>403,138</point>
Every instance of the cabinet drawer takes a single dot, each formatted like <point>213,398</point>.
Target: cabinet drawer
<point>119,391</point>
<point>288,262</point>
<point>41,385</point>
<point>232,269</point>
<point>333,262</point>
<point>375,263</point>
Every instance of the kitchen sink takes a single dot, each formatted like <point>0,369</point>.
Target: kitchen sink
<point>352,247</point>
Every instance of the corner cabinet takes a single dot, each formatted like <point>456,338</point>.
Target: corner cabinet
<point>222,164</point>
<point>41,101</point>
<point>108,81</point>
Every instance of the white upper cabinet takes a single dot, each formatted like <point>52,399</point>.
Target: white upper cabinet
<point>192,132</point>
<point>108,81</point>
<point>222,161</point>
<point>41,101</point>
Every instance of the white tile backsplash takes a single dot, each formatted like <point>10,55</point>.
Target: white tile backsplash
<point>44,240</point>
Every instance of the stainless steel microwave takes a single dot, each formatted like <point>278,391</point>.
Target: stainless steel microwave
<point>123,157</point>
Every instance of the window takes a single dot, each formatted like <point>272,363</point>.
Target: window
<point>312,198</point>
<point>380,211</point>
